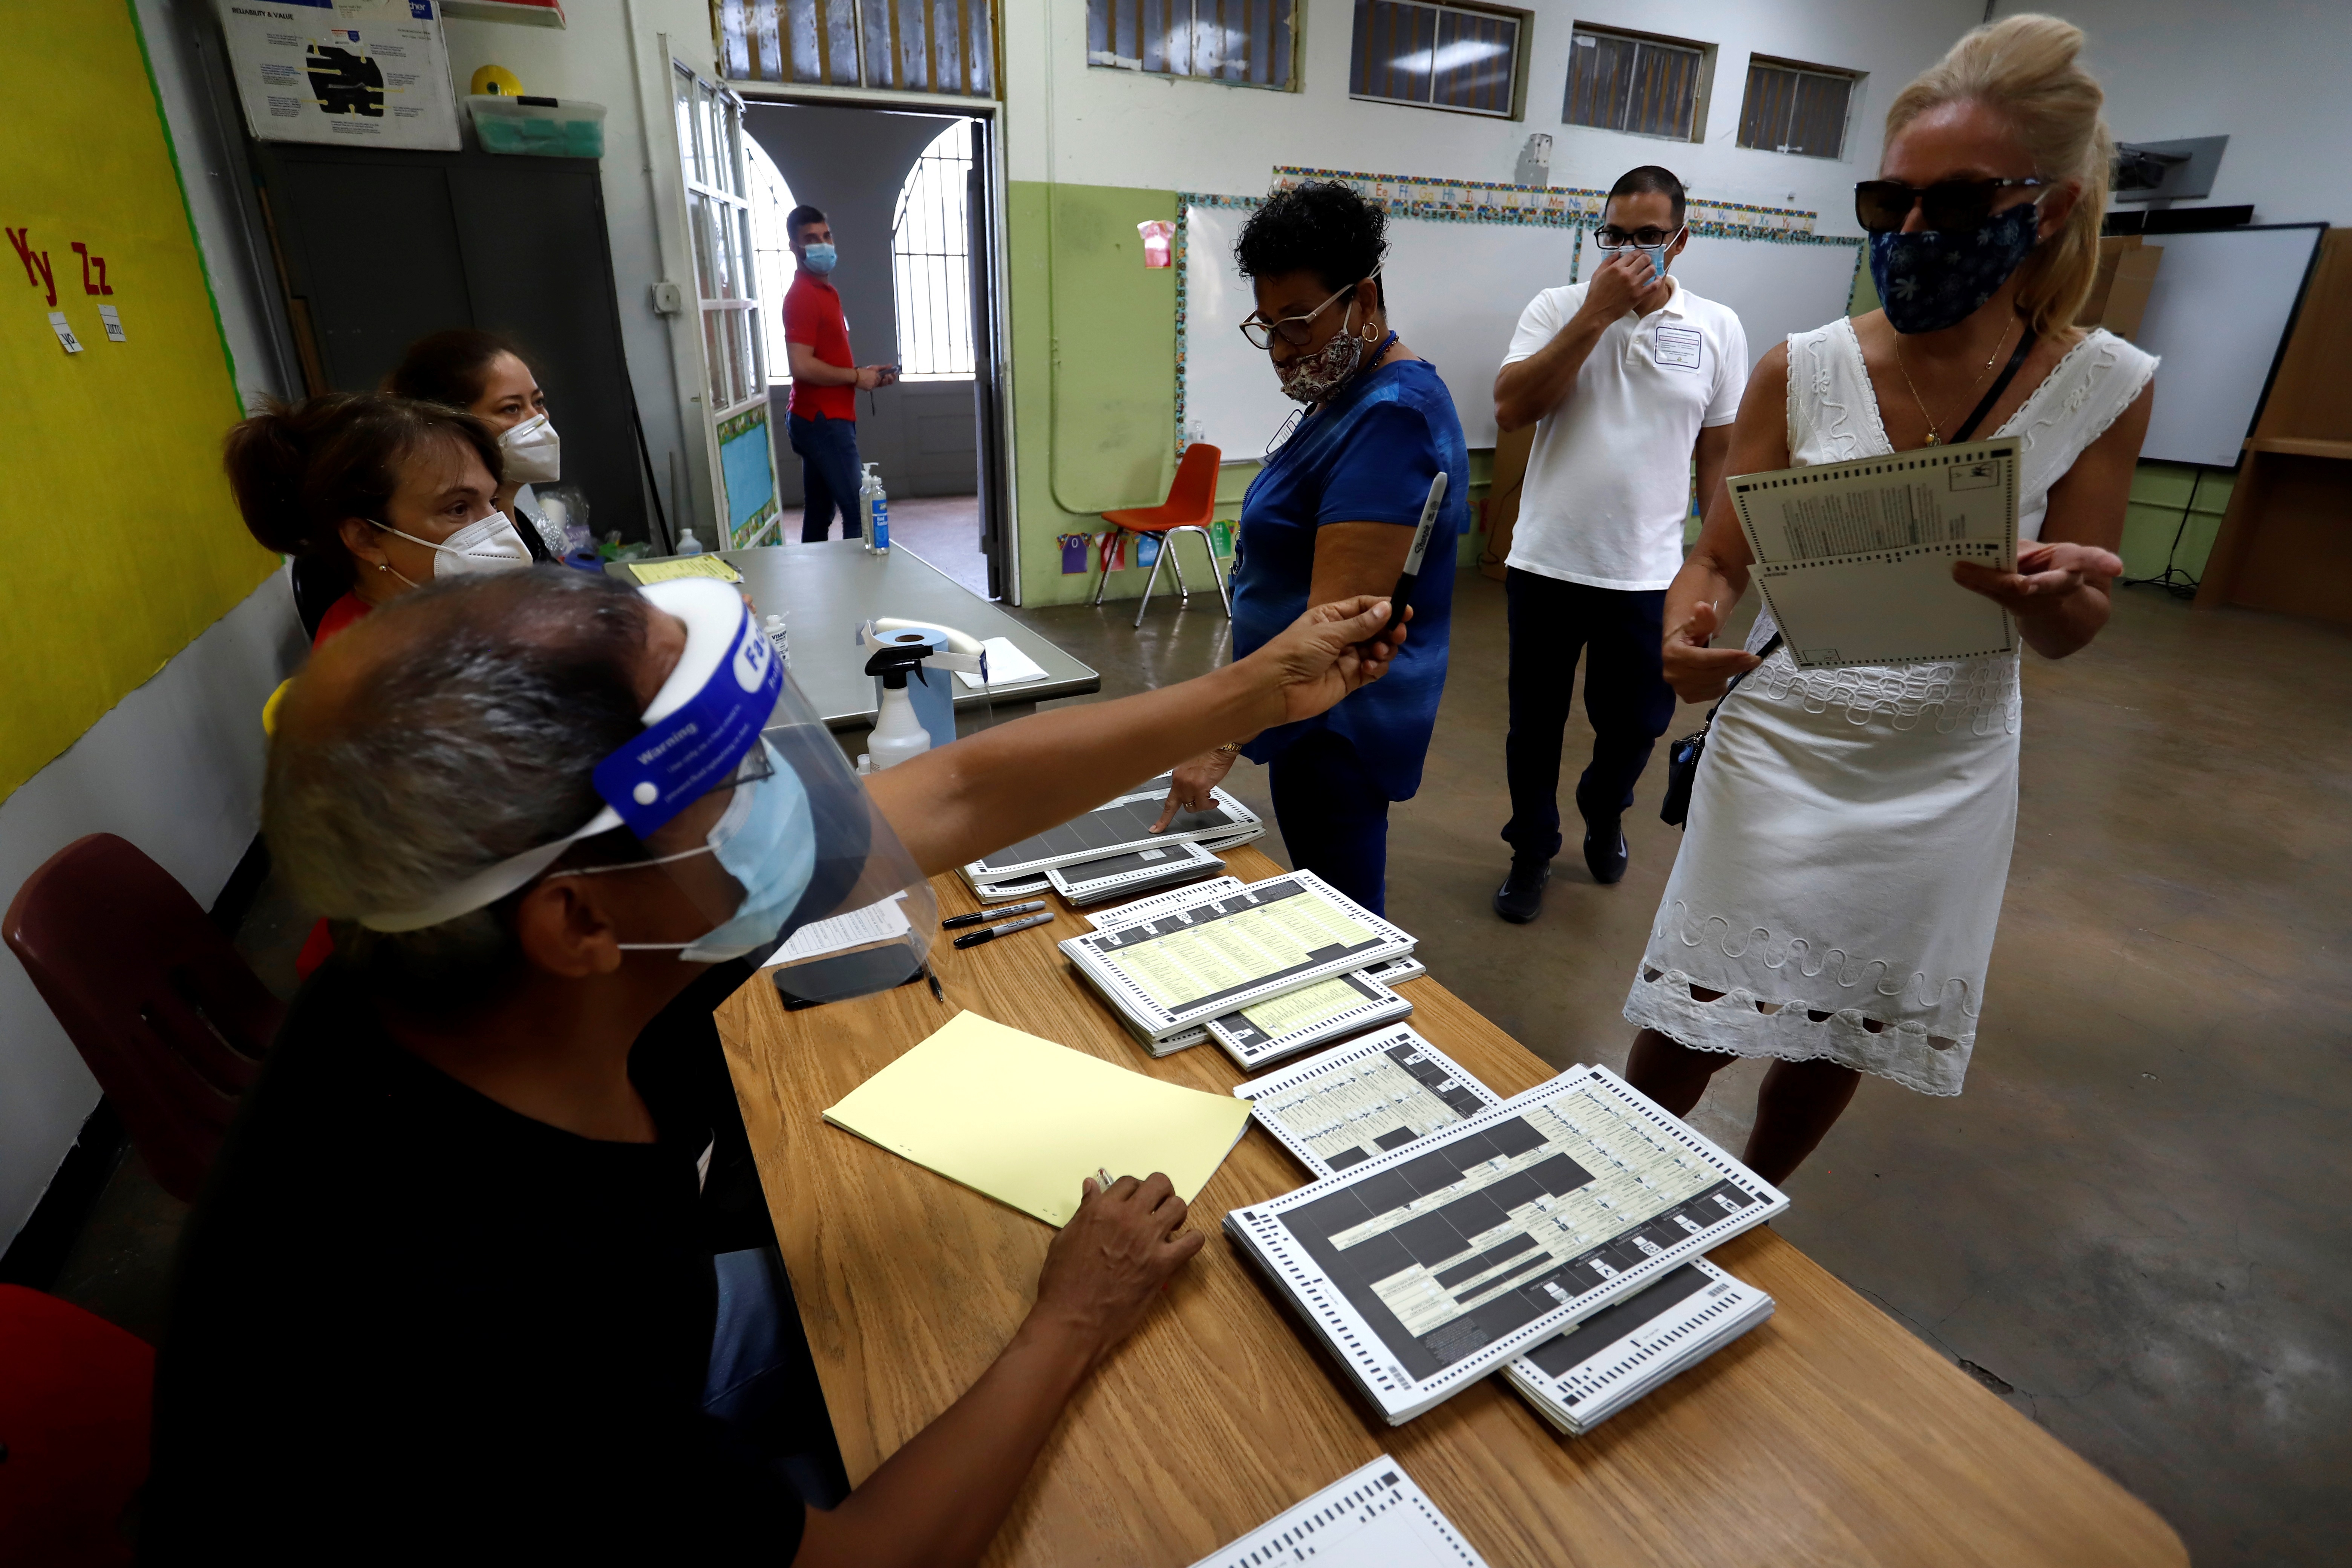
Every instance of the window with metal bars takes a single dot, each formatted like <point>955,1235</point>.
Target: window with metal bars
<point>905,46</point>
<point>1248,43</point>
<point>1642,86</point>
<point>1792,108</point>
<point>930,253</point>
<point>1437,57</point>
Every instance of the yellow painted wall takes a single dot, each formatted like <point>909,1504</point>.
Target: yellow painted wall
<point>117,532</point>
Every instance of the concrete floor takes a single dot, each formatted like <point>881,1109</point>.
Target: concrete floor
<point>2130,1226</point>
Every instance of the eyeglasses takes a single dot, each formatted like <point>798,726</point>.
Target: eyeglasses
<point>1292,330</point>
<point>1881,206</point>
<point>1609,236</point>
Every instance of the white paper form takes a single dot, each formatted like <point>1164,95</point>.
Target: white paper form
<point>859,928</point>
<point>1007,666</point>
<point>1854,560</point>
<point>1375,1518</point>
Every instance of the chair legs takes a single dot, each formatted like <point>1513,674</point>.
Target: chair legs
<point>1102,576</point>
<point>1168,553</point>
<point>1158,556</point>
<point>1209,548</point>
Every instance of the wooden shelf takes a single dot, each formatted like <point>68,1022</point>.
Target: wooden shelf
<point>2300,447</point>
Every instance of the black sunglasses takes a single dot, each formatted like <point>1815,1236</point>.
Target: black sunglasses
<point>1881,206</point>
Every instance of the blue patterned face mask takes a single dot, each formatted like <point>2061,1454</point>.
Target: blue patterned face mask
<point>1931,281</point>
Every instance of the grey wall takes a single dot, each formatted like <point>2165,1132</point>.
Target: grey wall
<point>852,162</point>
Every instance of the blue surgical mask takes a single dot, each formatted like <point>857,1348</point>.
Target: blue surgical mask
<point>819,259</point>
<point>766,840</point>
<point>1930,281</point>
<point>1657,255</point>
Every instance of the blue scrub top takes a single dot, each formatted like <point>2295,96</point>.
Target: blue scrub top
<point>1366,456</point>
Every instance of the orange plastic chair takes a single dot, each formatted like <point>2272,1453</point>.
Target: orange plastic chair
<point>74,1396</point>
<point>1192,502</point>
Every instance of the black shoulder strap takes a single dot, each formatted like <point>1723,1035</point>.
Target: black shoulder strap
<point>1771,644</point>
<point>2009,373</point>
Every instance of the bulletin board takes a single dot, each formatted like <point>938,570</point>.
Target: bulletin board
<point>118,542</point>
<point>1464,258</point>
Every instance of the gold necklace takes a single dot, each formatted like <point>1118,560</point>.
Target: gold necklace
<point>1935,436</point>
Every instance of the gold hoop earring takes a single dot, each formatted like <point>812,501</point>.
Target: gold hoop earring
<point>1369,332</point>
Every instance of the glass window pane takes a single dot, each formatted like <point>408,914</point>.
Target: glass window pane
<point>1764,110</point>
<point>1396,46</point>
<point>683,102</point>
<point>840,41</point>
<point>714,350</point>
<point>1665,96</point>
<point>1475,58</point>
<point>748,381</point>
<point>881,61</point>
<point>767,43</point>
<point>1817,125</point>
<point>1600,79</point>
<point>803,31</point>
<point>698,231</point>
<point>734,39</point>
<point>980,47</point>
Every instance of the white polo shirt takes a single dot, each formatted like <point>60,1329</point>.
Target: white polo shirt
<point>1608,479</point>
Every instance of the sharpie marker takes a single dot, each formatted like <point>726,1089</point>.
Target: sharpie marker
<point>1411,573</point>
<point>955,922</point>
<point>975,938</point>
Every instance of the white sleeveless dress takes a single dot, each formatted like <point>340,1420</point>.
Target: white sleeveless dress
<point>1850,829</point>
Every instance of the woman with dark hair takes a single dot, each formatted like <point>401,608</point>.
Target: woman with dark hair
<point>1332,515</point>
<point>485,375</point>
<point>371,495</point>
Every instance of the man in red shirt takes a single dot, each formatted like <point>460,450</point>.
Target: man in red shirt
<point>823,423</point>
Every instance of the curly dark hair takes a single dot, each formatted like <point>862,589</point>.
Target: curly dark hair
<point>1323,226</point>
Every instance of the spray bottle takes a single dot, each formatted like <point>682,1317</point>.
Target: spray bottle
<point>874,505</point>
<point>898,732</point>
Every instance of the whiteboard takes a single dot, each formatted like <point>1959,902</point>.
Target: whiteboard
<point>1455,291</point>
<point>2216,315</point>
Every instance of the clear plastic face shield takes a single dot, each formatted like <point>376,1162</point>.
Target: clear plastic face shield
<point>736,828</point>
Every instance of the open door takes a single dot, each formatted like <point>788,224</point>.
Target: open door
<point>730,344</point>
<point>998,535</point>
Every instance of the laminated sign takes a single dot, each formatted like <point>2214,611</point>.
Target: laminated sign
<point>372,71</point>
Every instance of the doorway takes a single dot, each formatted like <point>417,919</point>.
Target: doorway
<point>908,196</point>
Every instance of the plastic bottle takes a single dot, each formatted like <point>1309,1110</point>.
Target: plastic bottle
<point>779,636</point>
<point>688,544</point>
<point>874,508</point>
<point>897,733</point>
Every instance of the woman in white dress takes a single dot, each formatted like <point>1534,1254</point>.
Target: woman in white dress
<point>1849,834</point>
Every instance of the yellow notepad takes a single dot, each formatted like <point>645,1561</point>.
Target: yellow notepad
<point>685,566</point>
<point>1025,1121</point>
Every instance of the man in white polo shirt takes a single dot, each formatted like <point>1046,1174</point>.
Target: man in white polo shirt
<point>1629,379</point>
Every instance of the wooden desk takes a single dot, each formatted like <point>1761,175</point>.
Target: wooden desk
<point>1830,1435</point>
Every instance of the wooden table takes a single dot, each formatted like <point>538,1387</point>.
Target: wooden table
<point>1828,1435</point>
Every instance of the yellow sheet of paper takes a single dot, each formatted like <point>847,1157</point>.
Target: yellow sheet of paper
<point>1025,1121</point>
<point>685,566</point>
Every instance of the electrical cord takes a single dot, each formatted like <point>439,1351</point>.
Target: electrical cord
<point>2172,579</point>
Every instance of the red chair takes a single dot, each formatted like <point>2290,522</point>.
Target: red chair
<point>75,1392</point>
<point>169,1016</point>
<point>1191,501</point>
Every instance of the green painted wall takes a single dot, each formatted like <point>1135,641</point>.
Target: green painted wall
<point>2172,500</point>
<point>1094,381</point>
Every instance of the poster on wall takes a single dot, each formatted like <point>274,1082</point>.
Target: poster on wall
<point>369,71</point>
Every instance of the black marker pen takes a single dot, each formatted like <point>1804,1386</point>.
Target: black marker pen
<point>1007,929</point>
<point>1411,573</point>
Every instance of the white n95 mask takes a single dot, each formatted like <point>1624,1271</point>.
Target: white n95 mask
<point>487,544</point>
<point>534,452</point>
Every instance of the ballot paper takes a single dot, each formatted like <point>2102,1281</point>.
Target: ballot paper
<point>1025,1121</point>
<point>1375,1518</point>
<point>1364,1097</point>
<point>1597,1367</point>
<point>875,922</point>
<point>1007,666</point>
<point>1854,560</point>
<point>684,566</point>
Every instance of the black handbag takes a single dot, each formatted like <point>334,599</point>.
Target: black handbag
<point>1681,757</point>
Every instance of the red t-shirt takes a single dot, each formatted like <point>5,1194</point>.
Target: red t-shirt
<point>813,316</point>
<point>339,617</point>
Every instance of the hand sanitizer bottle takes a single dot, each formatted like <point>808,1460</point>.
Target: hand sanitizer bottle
<point>874,503</point>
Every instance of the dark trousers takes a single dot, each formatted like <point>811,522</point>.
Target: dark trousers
<point>829,475</point>
<point>1625,697</point>
<point>1333,817</point>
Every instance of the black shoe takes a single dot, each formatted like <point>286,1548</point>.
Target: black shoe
<point>1520,897</point>
<point>1604,852</point>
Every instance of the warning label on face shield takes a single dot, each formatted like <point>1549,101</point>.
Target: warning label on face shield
<point>681,758</point>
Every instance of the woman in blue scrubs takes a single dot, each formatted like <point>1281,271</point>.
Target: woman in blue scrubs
<point>1331,514</point>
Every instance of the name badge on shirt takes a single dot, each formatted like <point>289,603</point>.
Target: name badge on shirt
<point>1676,347</point>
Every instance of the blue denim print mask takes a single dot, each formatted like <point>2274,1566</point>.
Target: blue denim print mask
<point>1930,281</point>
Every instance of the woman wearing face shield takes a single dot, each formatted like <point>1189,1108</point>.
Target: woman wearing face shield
<point>1850,829</point>
<point>484,374</point>
<point>371,495</point>
<point>1333,514</point>
<point>447,1289</point>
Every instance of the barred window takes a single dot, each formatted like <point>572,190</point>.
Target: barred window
<point>1249,43</point>
<point>1437,57</point>
<point>931,255</point>
<point>1792,108</point>
<point>1644,86</point>
<point>905,46</point>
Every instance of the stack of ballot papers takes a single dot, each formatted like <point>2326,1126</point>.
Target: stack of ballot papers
<point>1109,841</point>
<point>1007,666</point>
<point>1467,1246</point>
<point>1375,1518</point>
<point>1196,962</point>
<point>1854,560</point>
<point>1027,1122</point>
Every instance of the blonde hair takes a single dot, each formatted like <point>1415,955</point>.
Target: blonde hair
<point>2027,70</point>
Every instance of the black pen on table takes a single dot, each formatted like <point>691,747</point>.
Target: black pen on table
<point>1402,597</point>
<point>981,917</point>
<point>974,939</point>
